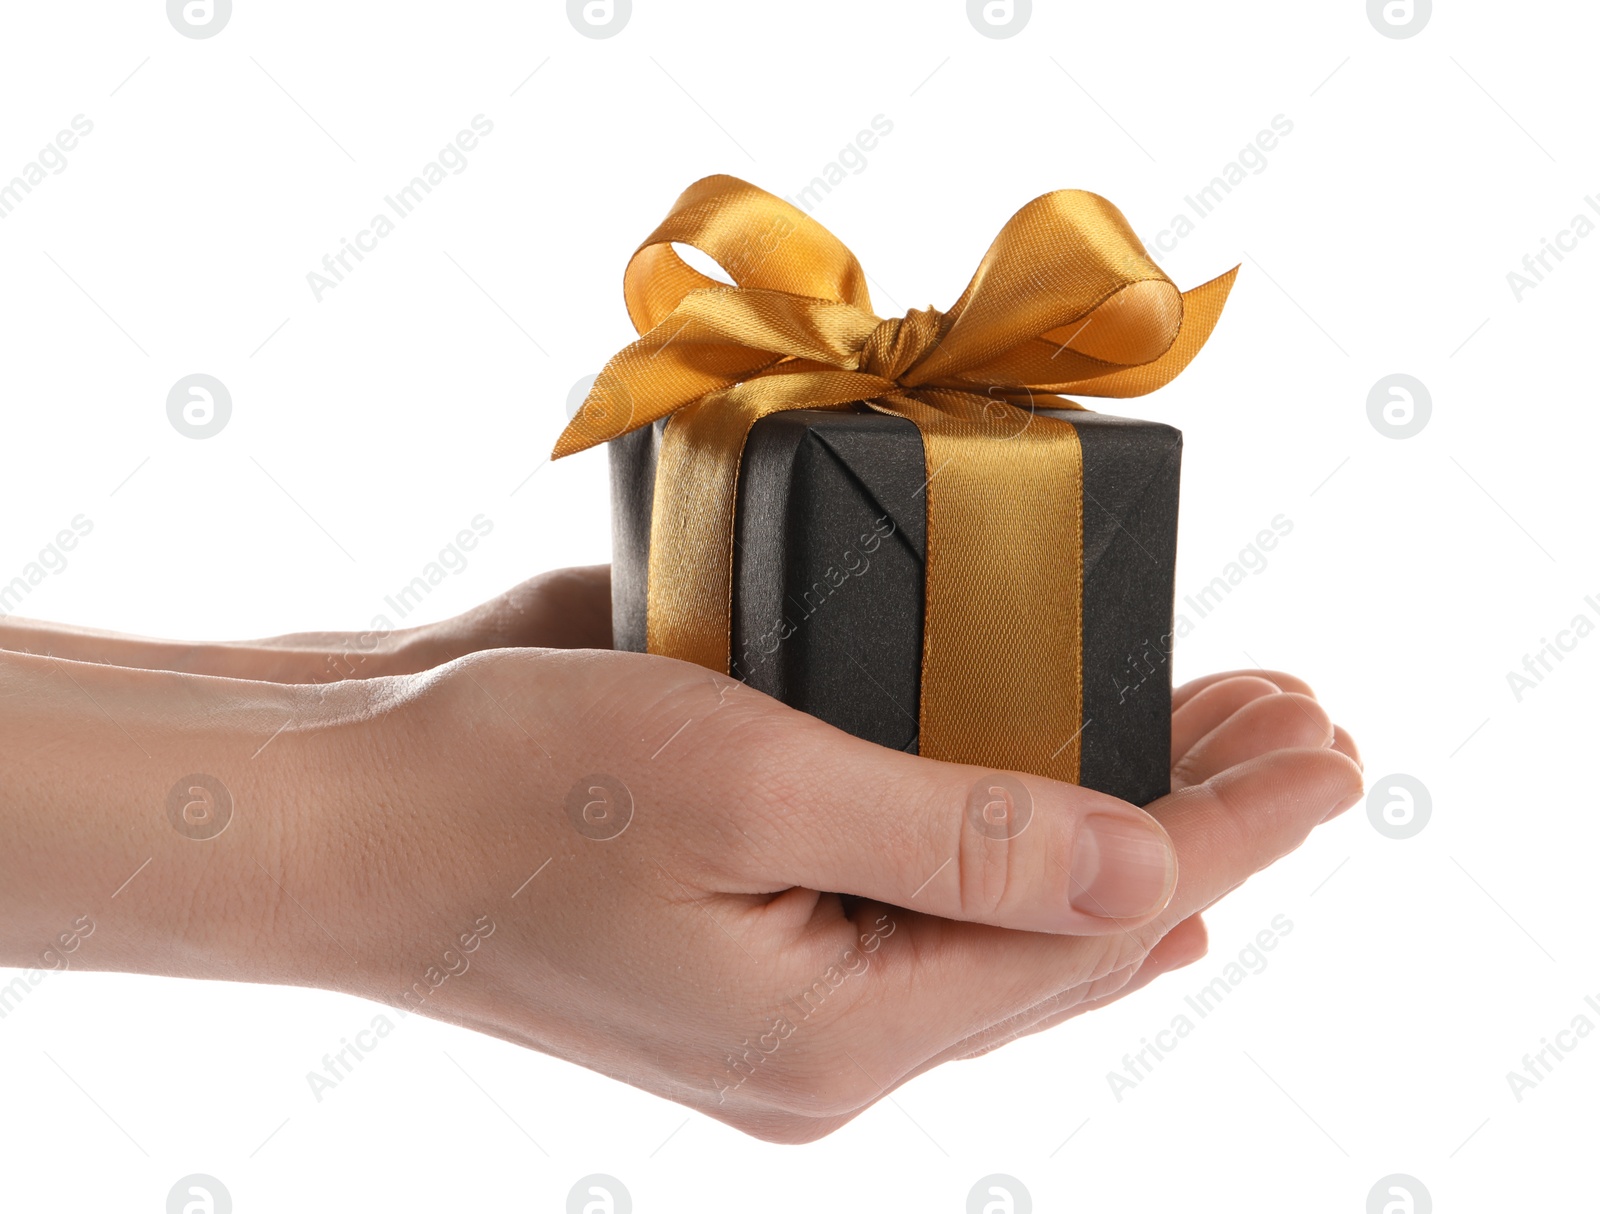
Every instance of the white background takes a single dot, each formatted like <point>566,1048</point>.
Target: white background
<point>370,427</point>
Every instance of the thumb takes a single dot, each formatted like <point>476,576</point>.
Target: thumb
<point>996,847</point>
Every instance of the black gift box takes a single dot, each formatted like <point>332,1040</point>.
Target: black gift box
<point>829,534</point>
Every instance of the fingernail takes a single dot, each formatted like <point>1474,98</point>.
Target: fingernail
<point>1122,868</point>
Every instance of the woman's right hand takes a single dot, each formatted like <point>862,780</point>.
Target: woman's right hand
<point>698,891</point>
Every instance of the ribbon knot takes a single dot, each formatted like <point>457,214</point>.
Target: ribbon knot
<point>898,344</point>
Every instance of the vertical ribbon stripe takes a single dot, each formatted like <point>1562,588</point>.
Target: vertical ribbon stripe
<point>1002,650</point>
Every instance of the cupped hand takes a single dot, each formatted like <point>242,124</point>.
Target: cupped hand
<point>700,892</point>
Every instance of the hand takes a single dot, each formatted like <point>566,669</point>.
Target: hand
<point>697,953</point>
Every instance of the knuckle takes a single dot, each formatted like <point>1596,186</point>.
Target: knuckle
<point>1186,771</point>
<point>755,802</point>
<point>1008,855</point>
<point>719,754</point>
<point>1111,983</point>
<point>1122,951</point>
<point>986,869</point>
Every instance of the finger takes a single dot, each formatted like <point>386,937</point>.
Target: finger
<point>1161,961</point>
<point>1346,745</point>
<point>1056,1007</point>
<point>1227,829</point>
<point>1276,722</point>
<point>1213,705</point>
<point>1285,682</point>
<point>1184,945</point>
<point>566,609</point>
<point>558,609</point>
<point>1018,851</point>
<point>1245,818</point>
<point>997,848</point>
<point>855,1088</point>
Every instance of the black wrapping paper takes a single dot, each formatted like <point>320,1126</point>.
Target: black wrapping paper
<point>830,534</point>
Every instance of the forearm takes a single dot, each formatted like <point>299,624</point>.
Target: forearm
<point>563,609</point>
<point>324,657</point>
<point>165,823</point>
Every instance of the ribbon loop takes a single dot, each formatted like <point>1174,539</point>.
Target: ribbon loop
<point>759,241</point>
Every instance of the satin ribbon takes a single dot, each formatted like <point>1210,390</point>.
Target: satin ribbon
<point>1065,300</point>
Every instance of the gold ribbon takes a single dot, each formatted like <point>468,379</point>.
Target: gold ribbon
<point>1065,300</point>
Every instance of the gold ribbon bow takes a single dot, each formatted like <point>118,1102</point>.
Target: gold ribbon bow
<point>1065,300</point>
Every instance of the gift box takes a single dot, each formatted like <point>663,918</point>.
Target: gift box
<point>830,538</point>
<point>898,525</point>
